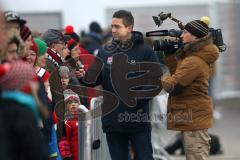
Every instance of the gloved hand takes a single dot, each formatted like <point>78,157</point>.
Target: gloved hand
<point>64,148</point>
<point>82,108</point>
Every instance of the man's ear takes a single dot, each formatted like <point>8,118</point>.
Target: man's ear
<point>130,28</point>
<point>53,45</point>
<point>50,45</point>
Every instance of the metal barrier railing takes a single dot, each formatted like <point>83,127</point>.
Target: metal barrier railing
<point>93,143</point>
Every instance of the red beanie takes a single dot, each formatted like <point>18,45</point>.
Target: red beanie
<point>69,30</point>
<point>34,47</point>
<point>25,32</point>
<point>71,44</point>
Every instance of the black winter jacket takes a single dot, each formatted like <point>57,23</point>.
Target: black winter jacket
<point>20,136</point>
<point>124,118</point>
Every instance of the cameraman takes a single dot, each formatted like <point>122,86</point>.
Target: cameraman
<point>190,107</point>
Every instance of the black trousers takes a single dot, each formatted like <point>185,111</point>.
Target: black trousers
<point>118,145</point>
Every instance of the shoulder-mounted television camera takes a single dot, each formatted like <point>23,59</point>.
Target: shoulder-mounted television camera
<point>172,44</point>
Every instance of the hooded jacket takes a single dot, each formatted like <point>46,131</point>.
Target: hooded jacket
<point>118,119</point>
<point>191,108</point>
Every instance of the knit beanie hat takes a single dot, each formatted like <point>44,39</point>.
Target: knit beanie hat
<point>71,44</point>
<point>197,28</point>
<point>70,95</point>
<point>25,32</point>
<point>69,30</point>
<point>95,27</point>
<point>41,45</point>
<point>16,76</point>
<point>64,71</point>
<point>52,36</point>
<point>34,47</point>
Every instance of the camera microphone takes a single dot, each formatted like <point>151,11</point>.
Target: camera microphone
<point>160,33</point>
<point>157,33</point>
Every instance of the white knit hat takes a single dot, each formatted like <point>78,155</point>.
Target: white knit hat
<point>70,95</point>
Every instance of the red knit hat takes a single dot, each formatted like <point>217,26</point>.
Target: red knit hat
<point>71,44</point>
<point>16,76</point>
<point>34,47</point>
<point>69,30</point>
<point>25,32</point>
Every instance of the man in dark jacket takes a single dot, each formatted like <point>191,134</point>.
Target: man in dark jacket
<point>124,123</point>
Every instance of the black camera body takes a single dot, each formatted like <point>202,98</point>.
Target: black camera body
<point>171,45</point>
<point>168,46</point>
<point>217,39</point>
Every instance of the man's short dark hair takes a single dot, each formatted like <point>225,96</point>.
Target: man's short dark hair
<point>127,17</point>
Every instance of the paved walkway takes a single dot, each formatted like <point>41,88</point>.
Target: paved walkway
<point>227,128</point>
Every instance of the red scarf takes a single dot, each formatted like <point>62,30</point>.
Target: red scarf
<point>55,57</point>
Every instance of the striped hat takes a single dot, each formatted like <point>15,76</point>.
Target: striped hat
<point>71,44</point>
<point>197,28</point>
<point>70,95</point>
<point>25,32</point>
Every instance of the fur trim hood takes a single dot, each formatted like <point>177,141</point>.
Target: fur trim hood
<point>203,48</point>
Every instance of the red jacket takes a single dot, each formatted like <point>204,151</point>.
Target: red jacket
<point>71,126</point>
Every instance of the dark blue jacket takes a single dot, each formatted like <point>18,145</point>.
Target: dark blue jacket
<point>20,135</point>
<point>124,118</point>
<point>92,42</point>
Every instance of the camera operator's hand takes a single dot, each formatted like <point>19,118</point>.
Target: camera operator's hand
<point>167,83</point>
<point>80,73</point>
<point>171,63</point>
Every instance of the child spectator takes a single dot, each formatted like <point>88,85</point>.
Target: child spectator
<point>69,145</point>
<point>64,74</point>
